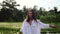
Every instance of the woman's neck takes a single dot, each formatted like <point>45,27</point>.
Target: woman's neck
<point>30,21</point>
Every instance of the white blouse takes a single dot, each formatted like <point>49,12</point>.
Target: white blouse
<point>34,28</point>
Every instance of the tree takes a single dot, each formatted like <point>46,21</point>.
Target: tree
<point>35,8</point>
<point>55,9</point>
<point>25,11</point>
<point>8,10</point>
<point>40,11</point>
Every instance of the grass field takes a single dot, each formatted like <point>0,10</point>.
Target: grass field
<point>10,28</point>
<point>11,25</point>
<point>7,26</point>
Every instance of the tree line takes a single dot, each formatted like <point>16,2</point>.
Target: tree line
<point>8,13</point>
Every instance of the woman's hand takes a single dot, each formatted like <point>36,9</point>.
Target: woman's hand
<point>53,26</point>
<point>20,32</point>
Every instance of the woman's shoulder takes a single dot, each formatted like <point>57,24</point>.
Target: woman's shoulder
<point>24,20</point>
<point>38,19</point>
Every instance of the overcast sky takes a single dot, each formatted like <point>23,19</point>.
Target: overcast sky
<point>47,4</point>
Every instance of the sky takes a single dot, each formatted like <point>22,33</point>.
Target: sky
<point>47,4</point>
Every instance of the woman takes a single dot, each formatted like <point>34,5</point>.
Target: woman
<point>32,25</point>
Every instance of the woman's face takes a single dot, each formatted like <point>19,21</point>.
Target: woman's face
<point>30,14</point>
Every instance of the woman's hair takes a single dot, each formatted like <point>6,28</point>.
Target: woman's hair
<point>33,15</point>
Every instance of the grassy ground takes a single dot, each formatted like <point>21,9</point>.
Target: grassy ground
<point>10,28</point>
<point>11,25</point>
<point>6,26</point>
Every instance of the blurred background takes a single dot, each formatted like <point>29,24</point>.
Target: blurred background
<point>13,12</point>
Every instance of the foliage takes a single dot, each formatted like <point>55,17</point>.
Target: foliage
<point>12,14</point>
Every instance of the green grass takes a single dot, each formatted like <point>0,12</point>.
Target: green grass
<point>6,26</point>
<point>10,25</point>
<point>10,28</point>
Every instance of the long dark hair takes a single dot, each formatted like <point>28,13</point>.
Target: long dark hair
<point>33,15</point>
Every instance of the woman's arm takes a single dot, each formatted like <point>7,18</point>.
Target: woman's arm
<point>43,25</point>
<point>22,27</point>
